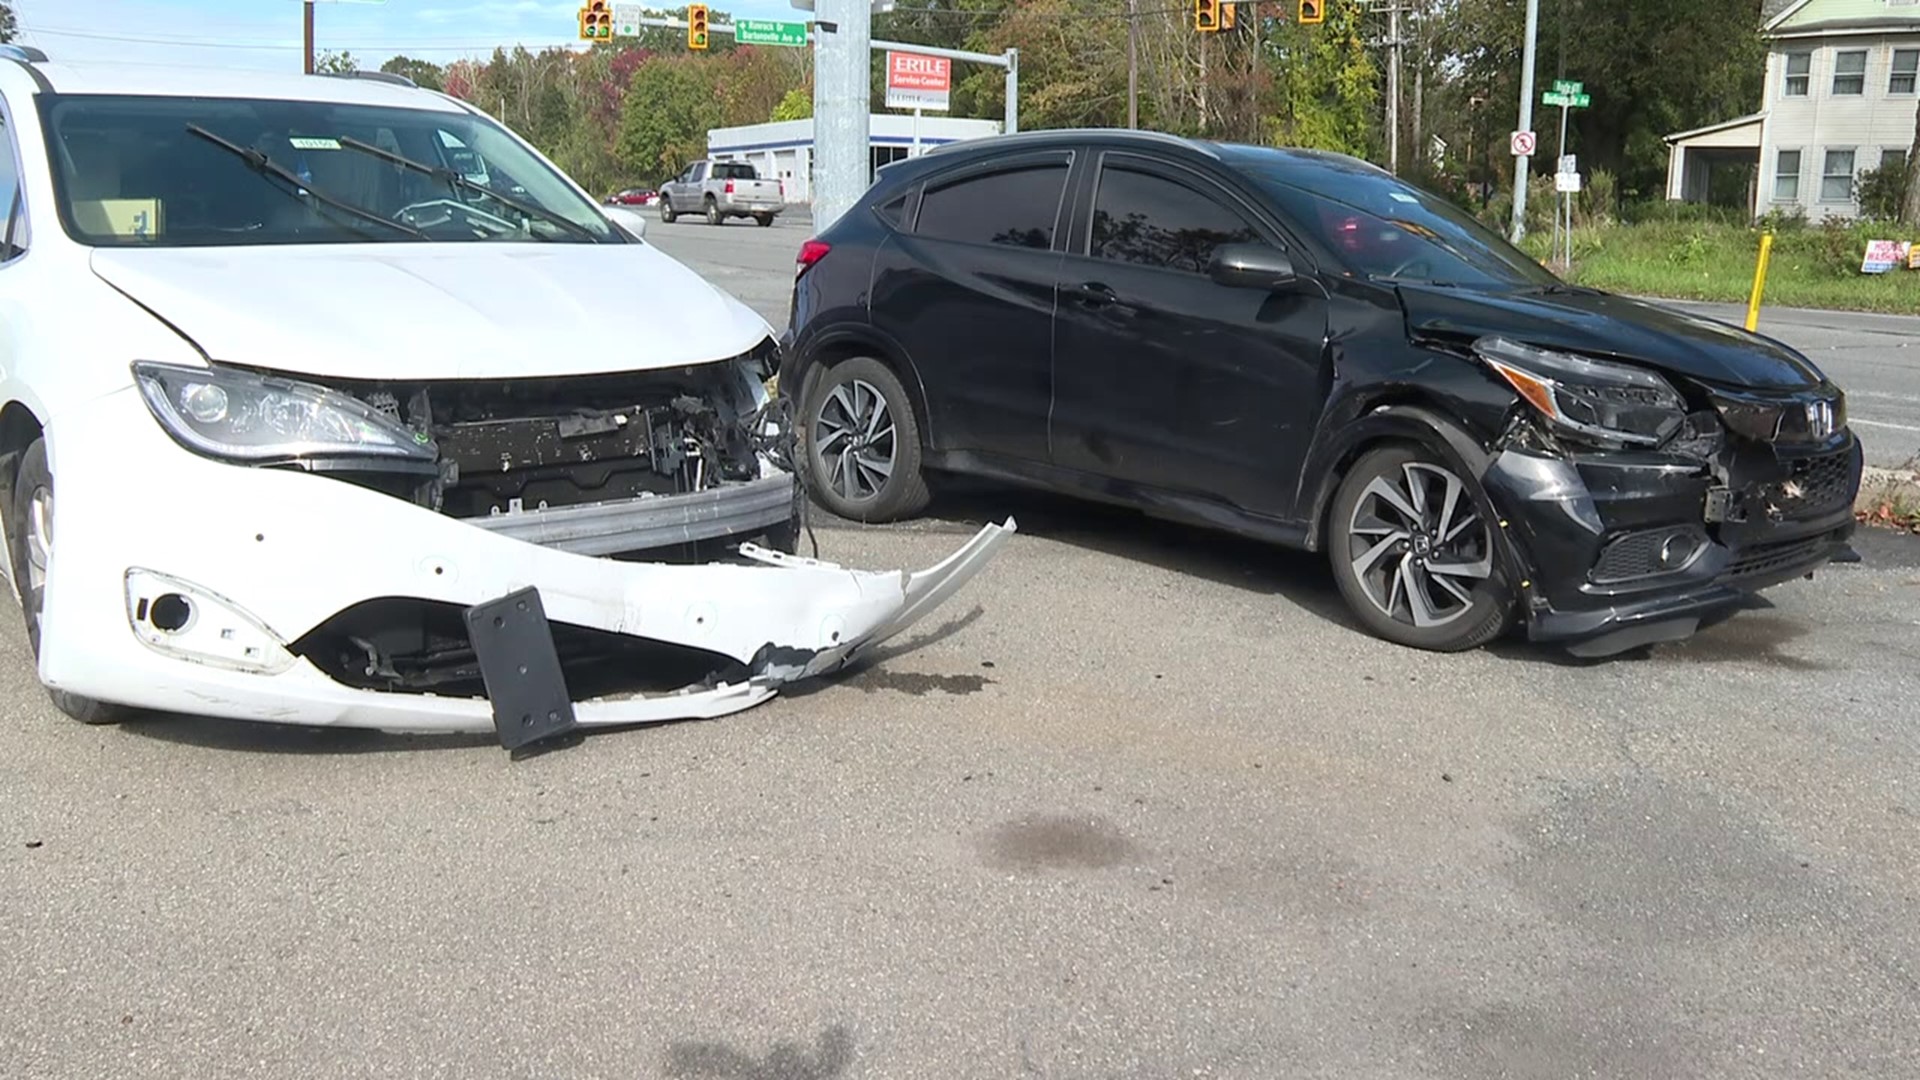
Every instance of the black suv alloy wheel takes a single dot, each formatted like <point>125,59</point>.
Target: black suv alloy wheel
<point>863,444</point>
<point>1413,551</point>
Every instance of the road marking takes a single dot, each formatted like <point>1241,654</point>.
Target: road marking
<point>1884,424</point>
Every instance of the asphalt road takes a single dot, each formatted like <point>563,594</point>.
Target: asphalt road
<point>1138,803</point>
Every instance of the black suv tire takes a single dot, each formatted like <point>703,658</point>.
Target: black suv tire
<point>862,385</point>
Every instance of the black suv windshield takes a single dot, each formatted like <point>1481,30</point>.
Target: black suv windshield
<point>132,171</point>
<point>1384,228</point>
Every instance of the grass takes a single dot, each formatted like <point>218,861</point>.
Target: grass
<point>1811,266</point>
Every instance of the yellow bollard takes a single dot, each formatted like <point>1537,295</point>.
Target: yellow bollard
<point>1759,280</point>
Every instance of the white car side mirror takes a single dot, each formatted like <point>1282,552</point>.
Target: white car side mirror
<point>627,219</point>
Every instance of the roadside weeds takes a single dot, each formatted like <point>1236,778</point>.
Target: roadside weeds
<point>1890,498</point>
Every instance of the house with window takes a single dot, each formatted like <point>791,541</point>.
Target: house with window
<point>1843,82</point>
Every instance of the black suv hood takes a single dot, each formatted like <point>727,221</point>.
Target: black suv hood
<point>1601,324</point>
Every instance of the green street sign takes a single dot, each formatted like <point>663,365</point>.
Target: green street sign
<point>793,35</point>
<point>1566,86</point>
<point>1566,101</point>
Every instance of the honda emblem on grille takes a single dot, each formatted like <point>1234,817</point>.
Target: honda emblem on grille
<point>1820,419</point>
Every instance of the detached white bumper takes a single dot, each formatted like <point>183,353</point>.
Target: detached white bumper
<point>264,556</point>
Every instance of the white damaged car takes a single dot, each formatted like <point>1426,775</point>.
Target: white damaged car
<point>330,401</point>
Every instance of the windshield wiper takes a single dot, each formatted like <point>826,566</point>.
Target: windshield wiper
<point>458,182</point>
<point>266,166</point>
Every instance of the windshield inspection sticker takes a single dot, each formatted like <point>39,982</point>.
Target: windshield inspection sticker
<point>307,142</point>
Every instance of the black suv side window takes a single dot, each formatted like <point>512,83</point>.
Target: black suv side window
<point>1019,207</point>
<point>1140,217</point>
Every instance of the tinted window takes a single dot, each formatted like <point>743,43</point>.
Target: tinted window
<point>733,171</point>
<point>893,210</point>
<point>1145,219</point>
<point>1017,208</point>
<point>1380,226</point>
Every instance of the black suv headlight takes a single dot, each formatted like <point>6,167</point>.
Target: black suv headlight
<point>240,416</point>
<point>1613,404</point>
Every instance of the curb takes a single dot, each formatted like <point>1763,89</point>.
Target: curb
<point>1881,486</point>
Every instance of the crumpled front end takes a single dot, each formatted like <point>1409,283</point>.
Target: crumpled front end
<point>182,583</point>
<point>1627,547</point>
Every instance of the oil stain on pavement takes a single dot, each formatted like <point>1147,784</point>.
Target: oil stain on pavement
<point>915,684</point>
<point>1040,842</point>
<point>830,1057</point>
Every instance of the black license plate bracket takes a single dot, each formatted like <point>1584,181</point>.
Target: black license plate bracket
<point>513,643</point>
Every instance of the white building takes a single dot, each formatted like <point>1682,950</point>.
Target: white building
<point>783,150</point>
<point>1843,81</point>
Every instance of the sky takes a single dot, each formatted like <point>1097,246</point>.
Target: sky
<point>265,34</point>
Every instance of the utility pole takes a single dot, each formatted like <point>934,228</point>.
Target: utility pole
<point>1419,76</point>
<point>1526,122</point>
<point>842,126</point>
<point>1393,87</point>
<point>1133,63</point>
<point>308,5</point>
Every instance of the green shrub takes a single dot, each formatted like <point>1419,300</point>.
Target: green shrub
<point>1599,202</point>
<point>1783,219</point>
<point>1881,192</point>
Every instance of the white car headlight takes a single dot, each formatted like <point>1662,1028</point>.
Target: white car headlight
<point>1612,403</point>
<point>241,416</point>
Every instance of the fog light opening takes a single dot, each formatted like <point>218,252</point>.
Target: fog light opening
<point>1675,552</point>
<point>170,612</point>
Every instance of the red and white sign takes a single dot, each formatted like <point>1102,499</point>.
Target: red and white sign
<point>1522,144</point>
<point>918,81</point>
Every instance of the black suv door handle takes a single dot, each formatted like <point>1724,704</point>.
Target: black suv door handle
<point>1092,294</point>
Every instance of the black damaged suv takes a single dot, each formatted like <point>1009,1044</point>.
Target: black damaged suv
<point>1298,346</point>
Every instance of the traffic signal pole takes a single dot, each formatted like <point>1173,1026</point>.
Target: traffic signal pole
<point>309,33</point>
<point>842,90</point>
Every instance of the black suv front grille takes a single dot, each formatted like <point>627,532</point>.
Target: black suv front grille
<point>1815,487</point>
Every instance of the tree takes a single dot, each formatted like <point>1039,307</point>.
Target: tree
<point>1329,85</point>
<point>1651,67</point>
<point>7,26</point>
<point>796,105</point>
<point>669,107</point>
<point>333,63</point>
<point>424,73</point>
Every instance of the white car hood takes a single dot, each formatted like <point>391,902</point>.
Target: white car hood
<point>437,311</point>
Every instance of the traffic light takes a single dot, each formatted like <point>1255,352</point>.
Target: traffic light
<point>596,21</point>
<point>1227,8</point>
<point>1206,16</point>
<point>696,26</point>
<point>1313,11</point>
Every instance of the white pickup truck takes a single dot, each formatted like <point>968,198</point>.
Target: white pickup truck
<point>721,190</point>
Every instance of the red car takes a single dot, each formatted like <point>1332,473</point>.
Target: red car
<point>634,197</point>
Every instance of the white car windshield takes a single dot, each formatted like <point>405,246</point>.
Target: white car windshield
<point>176,172</point>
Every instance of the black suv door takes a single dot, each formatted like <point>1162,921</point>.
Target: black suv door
<point>967,291</point>
<point>1164,378</point>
